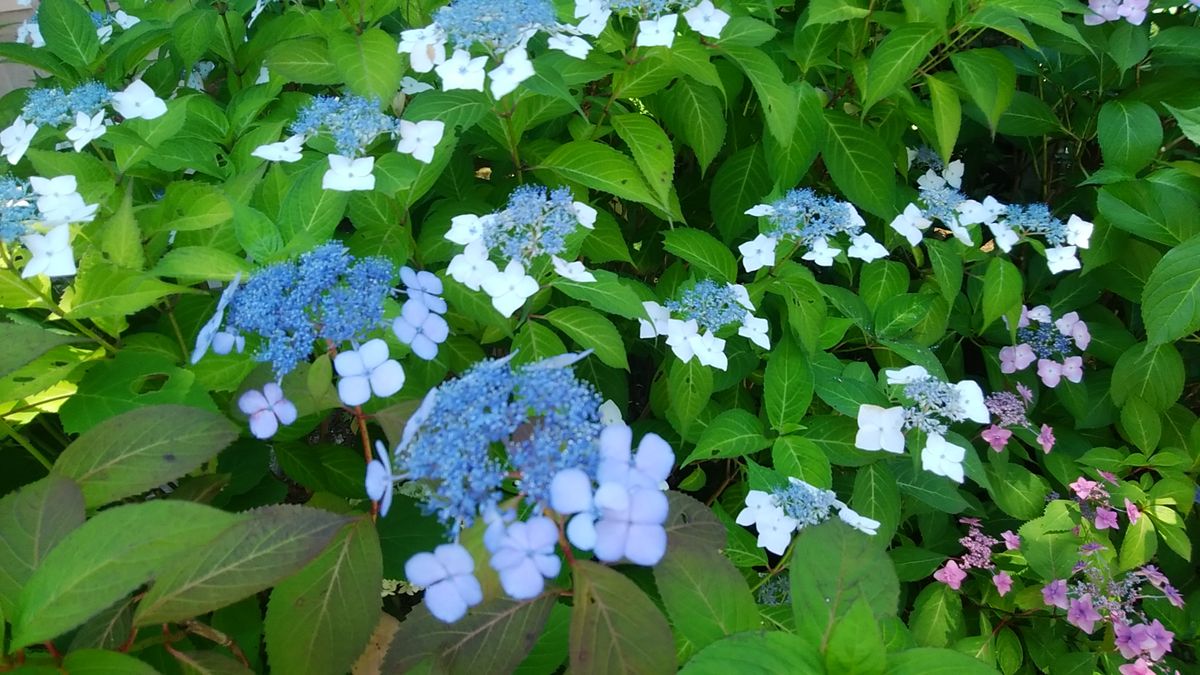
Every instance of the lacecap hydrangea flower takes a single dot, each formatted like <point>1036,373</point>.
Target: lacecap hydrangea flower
<point>1103,11</point>
<point>534,225</point>
<point>420,324</point>
<point>793,506</point>
<point>710,307</point>
<point>39,212</point>
<point>811,221</point>
<point>1051,343</point>
<point>658,19</point>
<point>932,405</point>
<point>353,123</point>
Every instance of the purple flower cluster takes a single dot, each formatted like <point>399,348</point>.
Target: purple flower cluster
<point>1103,11</point>
<point>1051,343</point>
<point>1011,411</point>
<point>978,555</point>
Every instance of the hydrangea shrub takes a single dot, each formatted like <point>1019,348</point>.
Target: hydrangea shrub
<point>601,336</point>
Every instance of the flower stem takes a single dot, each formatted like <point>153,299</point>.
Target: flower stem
<point>24,443</point>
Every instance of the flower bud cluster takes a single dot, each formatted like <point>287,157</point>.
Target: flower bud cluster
<point>709,306</point>
<point>978,555</point>
<point>810,220</point>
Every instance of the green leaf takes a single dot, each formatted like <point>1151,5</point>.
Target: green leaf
<point>589,329</point>
<point>304,61</point>
<point>197,263</point>
<point>615,628</point>
<point>841,566</point>
<point>896,58</point>
<point>457,108</point>
<point>704,594</point>
<point>947,115</point>
<point>210,662</point>
<point>310,213</point>
<point>936,491</point>
<point>319,620</point>
<point>1139,544</point>
<point>367,62</point>
<point>142,449</point>
<point>745,180</point>
<point>643,77</point>
<point>882,280</point>
<point>1189,121</point>
<point>787,386</point>
<point>600,167</point>
<point>692,524</point>
<point>24,343</point>
<point>607,293</point>
<point>651,150</point>
<point>69,32</point>
<point>798,456</point>
<point>1171,297</point>
<point>1018,491</point>
<point>695,112</point>
<point>253,554</point>
<point>193,34</point>
<point>747,32</point>
<point>733,433</point>
<point>947,265</point>
<point>32,521</point>
<point>104,662</point>
<point>190,206</point>
<point>1003,292</point>
<point>931,661</point>
<point>122,239</point>
<point>989,78</point>
<point>877,495</point>
<point>1141,424</point>
<point>937,618</point>
<point>755,652</point>
<point>914,563</point>
<point>1130,135</point>
<point>835,11</point>
<point>855,644</point>
<point>535,342</point>
<point>860,165</point>
<point>703,251</point>
<point>495,636</point>
<point>1153,374</point>
<point>691,385</point>
<point>1048,544</point>
<point>778,100</point>
<point>106,558</point>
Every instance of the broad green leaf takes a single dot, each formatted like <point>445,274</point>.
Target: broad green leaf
<point>1048,544</point>
<point>69,32</point>
<point>882,280</point>
<point>1139,544</point>
<point>692,524</point>
<point>264,548</point>
<point>877,495</point>
<point>788,163</point>
<point>104,662</point>
<point>936,491</point>
<point>590,330</point>
<point>733,433</point>
<point>108,557</point>
<point>835,11</point>
<point>1171,298</point>
<point>694,111</point>
<point>947,115</point>
<point>25,342</point>
<point>703,251</point>
<point>33,520</point>
<point>914,563</point>
<point>855,643</point>
<point>600,167</point>
<point>193,34</point>
<point>310,213</point>
<point>1003,292</point>
<point>787,386</point>
<point>841,565</point>
<point>615,628</point>
<point>896,58</point>
<point>643,77</point>
<point>210,662</point>
<point>197,263</point>
<point>190,206</point>
<point>989,78</point>
<point>122,238</point>
<point>860,165</point>
<point>1141,424</point>
<point>319,619</point>
<point>1153,374</point>
<point>755,652</point>
<point>304,61</point>
<point>534,342</point>
<point>933,661</point>
<point>1189,121</point>
<point>778,100</point>
<point>947,265</point>
<point>1130,135</point>
<point>494,635</point>
<point>142,449</point>
<point>747,32</point>
<point>690,385</point>
<point>608,293</point>
<point>745,181</point>
<point>704,594</point>
<point>651,150</point>
<point>367,62</point>
<point>102,289</point>
<point>457,108</point>
<point>937,618</point>
<point>799,457</point>
<point>1018,491</point>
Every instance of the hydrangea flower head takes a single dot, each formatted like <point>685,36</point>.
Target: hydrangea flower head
<point>352,121</point>
<point>497,27</point>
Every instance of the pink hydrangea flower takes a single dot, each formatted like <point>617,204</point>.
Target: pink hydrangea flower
<point>1072,368</point>
<point>1054,594</point>
<point>1016,358</point>
<point>1152,640</point>
<point>1046,438</point>
<point>1051,372</point>
<point>1083,487</point>
<point>1003,583</point>
<point>1132,511</point>
<point>1106,519</point>
<point>1025,392</point>
<point>1012,542</point>
<point>1139,667</point>
<point>951,575</point>
<point>1082,614</point>
<point>997,437</point>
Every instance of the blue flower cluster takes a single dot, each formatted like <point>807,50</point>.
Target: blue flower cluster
<point>804,503</point>
<point>941,202</point>
<point>807,216</point>
<point>17,208</point>
<point>935,402</point>
<point>52,106</point>
<point>327,293</point>
<point>650,8</point>
<point>536,222</point>
<point>497,26</point>
<point>712,305</point>
<point>1037,219</point>
<point>926,157</point>
<point>354,122</point>
<point>544,417</point>
<point>1046,340</point>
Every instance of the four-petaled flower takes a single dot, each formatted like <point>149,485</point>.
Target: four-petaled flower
<point>943,458</point>
<point>15,139</point>
<point>524,557</point>
<point>367,370</point>
<point>138,101</point>
<point>658,32</point>
<point>267,409</point>
<point>880,428</point>
<point>380,481</point>
<point>347,174</point>
<point>420,138</point>
<point>758,252</point>
<point>86,129</point>
<point>448,575</point>
<point>1082,614</point>
<point>706,19</point>
<point>952,575</point>
<point>514,69</point>
<point>287,150</point>
<point>460,71</point>
<point>510,289</point>
<point>52,253</point>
